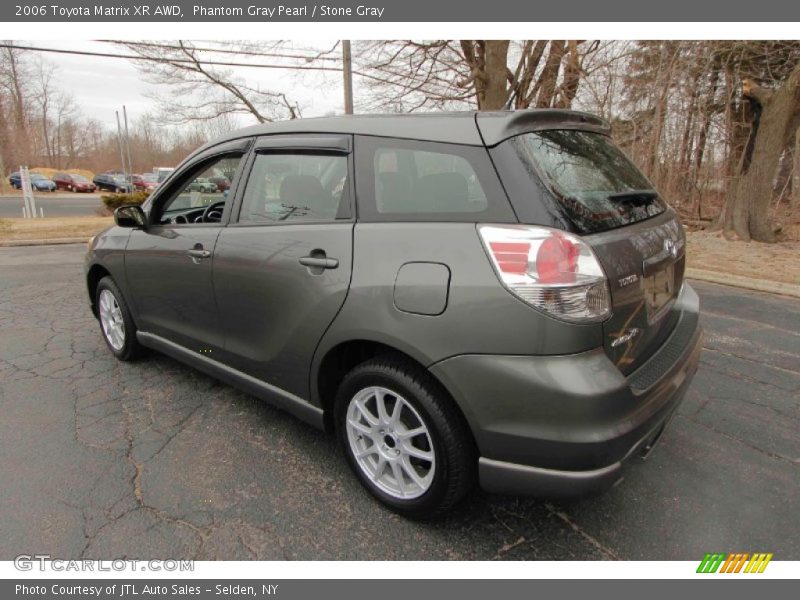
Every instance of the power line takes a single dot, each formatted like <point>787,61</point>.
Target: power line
<point>189,60</point>
<point>306,57</point>
<point>168,60</point>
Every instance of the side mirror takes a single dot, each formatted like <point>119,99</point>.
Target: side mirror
<point>130,215</point>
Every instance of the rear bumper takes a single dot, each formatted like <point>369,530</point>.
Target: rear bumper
<point>565,425</point>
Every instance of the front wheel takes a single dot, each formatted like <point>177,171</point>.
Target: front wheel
<point>403,437</point>
<point>116,322</point>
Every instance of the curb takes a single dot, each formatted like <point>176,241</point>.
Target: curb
<point>759,285</point>
<point>43,242</point>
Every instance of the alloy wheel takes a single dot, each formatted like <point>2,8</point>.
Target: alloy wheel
<point>111,320</point>
<point>390,443</point>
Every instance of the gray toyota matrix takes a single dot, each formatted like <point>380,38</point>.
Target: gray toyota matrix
<point>494,297</point>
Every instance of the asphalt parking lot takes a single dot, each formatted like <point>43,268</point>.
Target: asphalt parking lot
<point>57,204</point>
<point>101,459</point>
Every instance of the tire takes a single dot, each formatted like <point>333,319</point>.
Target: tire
<point>128,348</point>
<point>443,456</point>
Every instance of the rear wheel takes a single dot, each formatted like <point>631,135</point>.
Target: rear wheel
<point>403,438</point>
<point>116,322</point>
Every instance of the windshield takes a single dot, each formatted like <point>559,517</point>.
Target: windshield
<point>595,183</point>
<point>37,177</point>
<point>79,178</point>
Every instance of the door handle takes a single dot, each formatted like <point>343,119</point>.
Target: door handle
<point>199,253</point>
<point>319,262</point>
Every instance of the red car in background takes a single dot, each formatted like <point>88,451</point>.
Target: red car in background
<point>73,182</point>
<point>147,182</point>
<point>222,183</point>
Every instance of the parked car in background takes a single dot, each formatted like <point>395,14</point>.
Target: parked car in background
<point>15,180</point>
<point>112,182</point>
<point>73,182</point>
<point>222,182</point>
<point>491,297</point>
<point>146,182</point>
<point>162,173</point>
<point>39,182</point>
<point>203,184</point>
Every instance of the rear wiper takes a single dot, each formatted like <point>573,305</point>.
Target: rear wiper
<point>633,194</point>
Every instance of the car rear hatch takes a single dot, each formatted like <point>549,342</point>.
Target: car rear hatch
<point>576,179</point>
<point>645,265</point>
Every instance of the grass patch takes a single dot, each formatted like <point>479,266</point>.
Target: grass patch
<point>52,228</point>
<point>710,251</point>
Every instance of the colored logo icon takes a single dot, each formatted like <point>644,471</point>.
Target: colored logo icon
<point>737,562</point>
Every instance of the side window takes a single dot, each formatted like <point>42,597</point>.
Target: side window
<point>419,181</point>
<point>205,187</point>
<point>401,180</point>
<point>295,187</point>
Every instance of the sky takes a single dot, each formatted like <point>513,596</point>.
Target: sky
<point>101,86</point>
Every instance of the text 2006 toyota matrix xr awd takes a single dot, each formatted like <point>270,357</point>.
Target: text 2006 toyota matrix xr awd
<point>492,297</point>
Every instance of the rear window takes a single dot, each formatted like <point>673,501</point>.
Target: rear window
<point>596,185</point>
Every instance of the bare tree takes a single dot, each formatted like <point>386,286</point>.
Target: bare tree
<point>55,109</point>
<point>202,91</point>
<point>409,75</point>
<point>14,77</point>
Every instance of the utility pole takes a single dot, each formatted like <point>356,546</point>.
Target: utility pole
<point>58,143</point>
<point>347,68</point>
<point>119,140</point>
<point>128,148</point>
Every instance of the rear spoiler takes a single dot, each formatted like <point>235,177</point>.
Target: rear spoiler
<point>498,126</point>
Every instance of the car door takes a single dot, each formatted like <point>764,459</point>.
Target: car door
<point>282,267</point>
<point>169,264</point>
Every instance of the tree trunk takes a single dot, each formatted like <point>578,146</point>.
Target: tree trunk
<point>487,60</point>
<point>738,120</point>
<point>662,87</point>
<point>525,91</point>
<point>701,142</point>
<point>782,183</point>
<point>796,171</point>
<point>549,77</point>
<point>746,211</point>
<point>495,74</point>
<point>572,77</point>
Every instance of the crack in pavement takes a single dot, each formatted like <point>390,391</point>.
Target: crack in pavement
<point>602,548</point>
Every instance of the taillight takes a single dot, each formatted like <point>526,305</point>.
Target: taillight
<point>549,269</point>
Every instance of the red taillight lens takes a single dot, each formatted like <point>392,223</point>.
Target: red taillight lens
<point>512,257</point>
<point>557,260</point>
